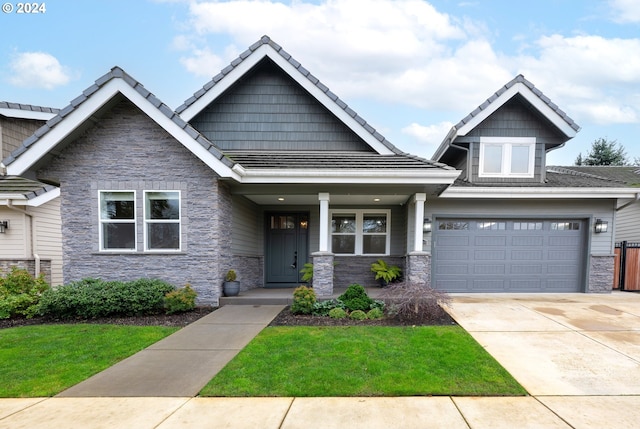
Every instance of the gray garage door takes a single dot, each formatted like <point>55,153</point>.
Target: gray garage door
<point>512,255</point>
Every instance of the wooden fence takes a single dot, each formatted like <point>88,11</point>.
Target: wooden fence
<point>626,275</point>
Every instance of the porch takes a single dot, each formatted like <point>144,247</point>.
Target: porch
<point>283,296</point>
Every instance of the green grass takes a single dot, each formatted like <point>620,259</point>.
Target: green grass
<point>363,361</point>
<point>44,360</point>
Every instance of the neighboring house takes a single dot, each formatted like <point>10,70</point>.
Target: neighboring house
<point>265,169</point>
<point>30,234</point>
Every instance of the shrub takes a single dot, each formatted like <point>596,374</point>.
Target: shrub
<point>307,272</point>
<point>180,300</point>
<point>384,272</point>
<point>356,298</point>
<point>413,302</point>
<point>303,300</point>
<point>91,298</point>
<point>375,313</point>
<point>358,315</point>
<point>379,304</point>
<point>20,293</point>
<point>322,308</point>
<point>337,313</point>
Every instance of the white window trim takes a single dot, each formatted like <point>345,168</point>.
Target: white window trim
<point>103,221</point>
<point>145,222</point>
<point>359,214</point>
<point>507,144</point>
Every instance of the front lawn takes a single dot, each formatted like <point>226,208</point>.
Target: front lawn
<point>44,360</point>
<point>363,361</point>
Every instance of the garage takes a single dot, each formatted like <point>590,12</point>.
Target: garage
<point>508,255</point>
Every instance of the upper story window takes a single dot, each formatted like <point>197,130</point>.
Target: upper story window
<point>507,156</point>
<point>162,220</point>
<point>117,220</point>
<point>360,232</point>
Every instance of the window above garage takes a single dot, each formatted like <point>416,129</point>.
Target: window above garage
<point>507,157</point>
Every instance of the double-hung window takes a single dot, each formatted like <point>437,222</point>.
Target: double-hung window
<point>117,220</point>
<point>507,156</point>
<point>360,232</point>
<point>162,220</point>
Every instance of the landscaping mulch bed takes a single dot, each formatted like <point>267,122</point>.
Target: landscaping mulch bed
<point>179,319</point>
<point>286,318</point>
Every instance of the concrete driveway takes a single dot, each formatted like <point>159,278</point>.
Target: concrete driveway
<point>578,354</point>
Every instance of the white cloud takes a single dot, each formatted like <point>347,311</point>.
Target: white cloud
<point>431,134</point>
<point>625,11</point>
<point>203,62</point>
<point>38,70</point>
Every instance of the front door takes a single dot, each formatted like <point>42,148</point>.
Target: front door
<point>286,248</point>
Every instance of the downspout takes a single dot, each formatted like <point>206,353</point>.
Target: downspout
<point>629,203</point>
<point>35,255</point>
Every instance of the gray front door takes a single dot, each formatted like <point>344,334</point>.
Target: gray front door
<point>286,248</point>
<point>509,255</point>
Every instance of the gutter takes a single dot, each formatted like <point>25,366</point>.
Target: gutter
<point>35,256</point>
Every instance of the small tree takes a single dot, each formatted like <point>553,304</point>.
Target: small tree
<point>604,152</point>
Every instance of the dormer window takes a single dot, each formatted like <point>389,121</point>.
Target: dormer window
<point>507,156</point>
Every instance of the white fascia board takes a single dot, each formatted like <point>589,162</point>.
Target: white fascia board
<point>523,90</point>
<point>84,111</point>
<point>317,93</point>
<point>445,177</point>
<point>44,198</point>
<point>26,114</point>
<point>529,193</point>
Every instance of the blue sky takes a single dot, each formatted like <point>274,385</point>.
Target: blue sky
<point>411,68</point>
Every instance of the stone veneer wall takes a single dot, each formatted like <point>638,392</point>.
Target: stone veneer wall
<point>250,271</point>
<point>29,265</point>
<point>601,274</point>
<point>357,269</point>
<point>323,273</point>
<point>128,151</point>
<point>418,268</point>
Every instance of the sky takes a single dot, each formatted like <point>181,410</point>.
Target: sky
<point>410,68</point>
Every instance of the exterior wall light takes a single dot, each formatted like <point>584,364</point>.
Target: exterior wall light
<point>4,225</point>
<point>426,226</point>
<point>601,226</point>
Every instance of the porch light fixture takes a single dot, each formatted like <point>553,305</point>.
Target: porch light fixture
<point>4,225</point>
<point>280,198</point>
<point>426,226</point>
<point>601,226</point>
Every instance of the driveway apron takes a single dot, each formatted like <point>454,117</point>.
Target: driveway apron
<point>559,344</point>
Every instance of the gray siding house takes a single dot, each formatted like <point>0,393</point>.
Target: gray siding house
<point>265,169</point>
<point>30,235</point>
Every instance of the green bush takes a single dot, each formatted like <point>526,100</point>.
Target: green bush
<point>322,308</point>
<point>337,313</point>
<point>356,298</point>
<point>20,293</point>
<point>358,315</point>
<point>180,300</point>
<point>375,313</point>
<point>303,300</point>
<point>91,298</point>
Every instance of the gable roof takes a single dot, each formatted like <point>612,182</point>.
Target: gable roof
<point>267,48</point>
<point>517,86</point>
<point>82,112</point>
<point>21,191</point>
<point>26,111</point>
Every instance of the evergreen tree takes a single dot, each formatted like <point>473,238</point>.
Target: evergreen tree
<point>604,152</point>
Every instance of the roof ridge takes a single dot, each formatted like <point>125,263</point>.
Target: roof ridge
<point>266,40</point>
<point>116,72</point>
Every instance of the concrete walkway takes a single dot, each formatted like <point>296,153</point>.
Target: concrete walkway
<point>183,363</point>
<point>578,355</point>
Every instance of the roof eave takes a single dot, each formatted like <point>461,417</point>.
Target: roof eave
<point>539,192</point>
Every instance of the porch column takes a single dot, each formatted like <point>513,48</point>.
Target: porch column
<point>418,234</point>
<point>324,221</point>
<point>418,262</point>
<point>323,259</point>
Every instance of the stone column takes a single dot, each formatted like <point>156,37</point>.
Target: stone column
<point>418,268</point>
<point>322,273</point>
<point>601,269</point>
